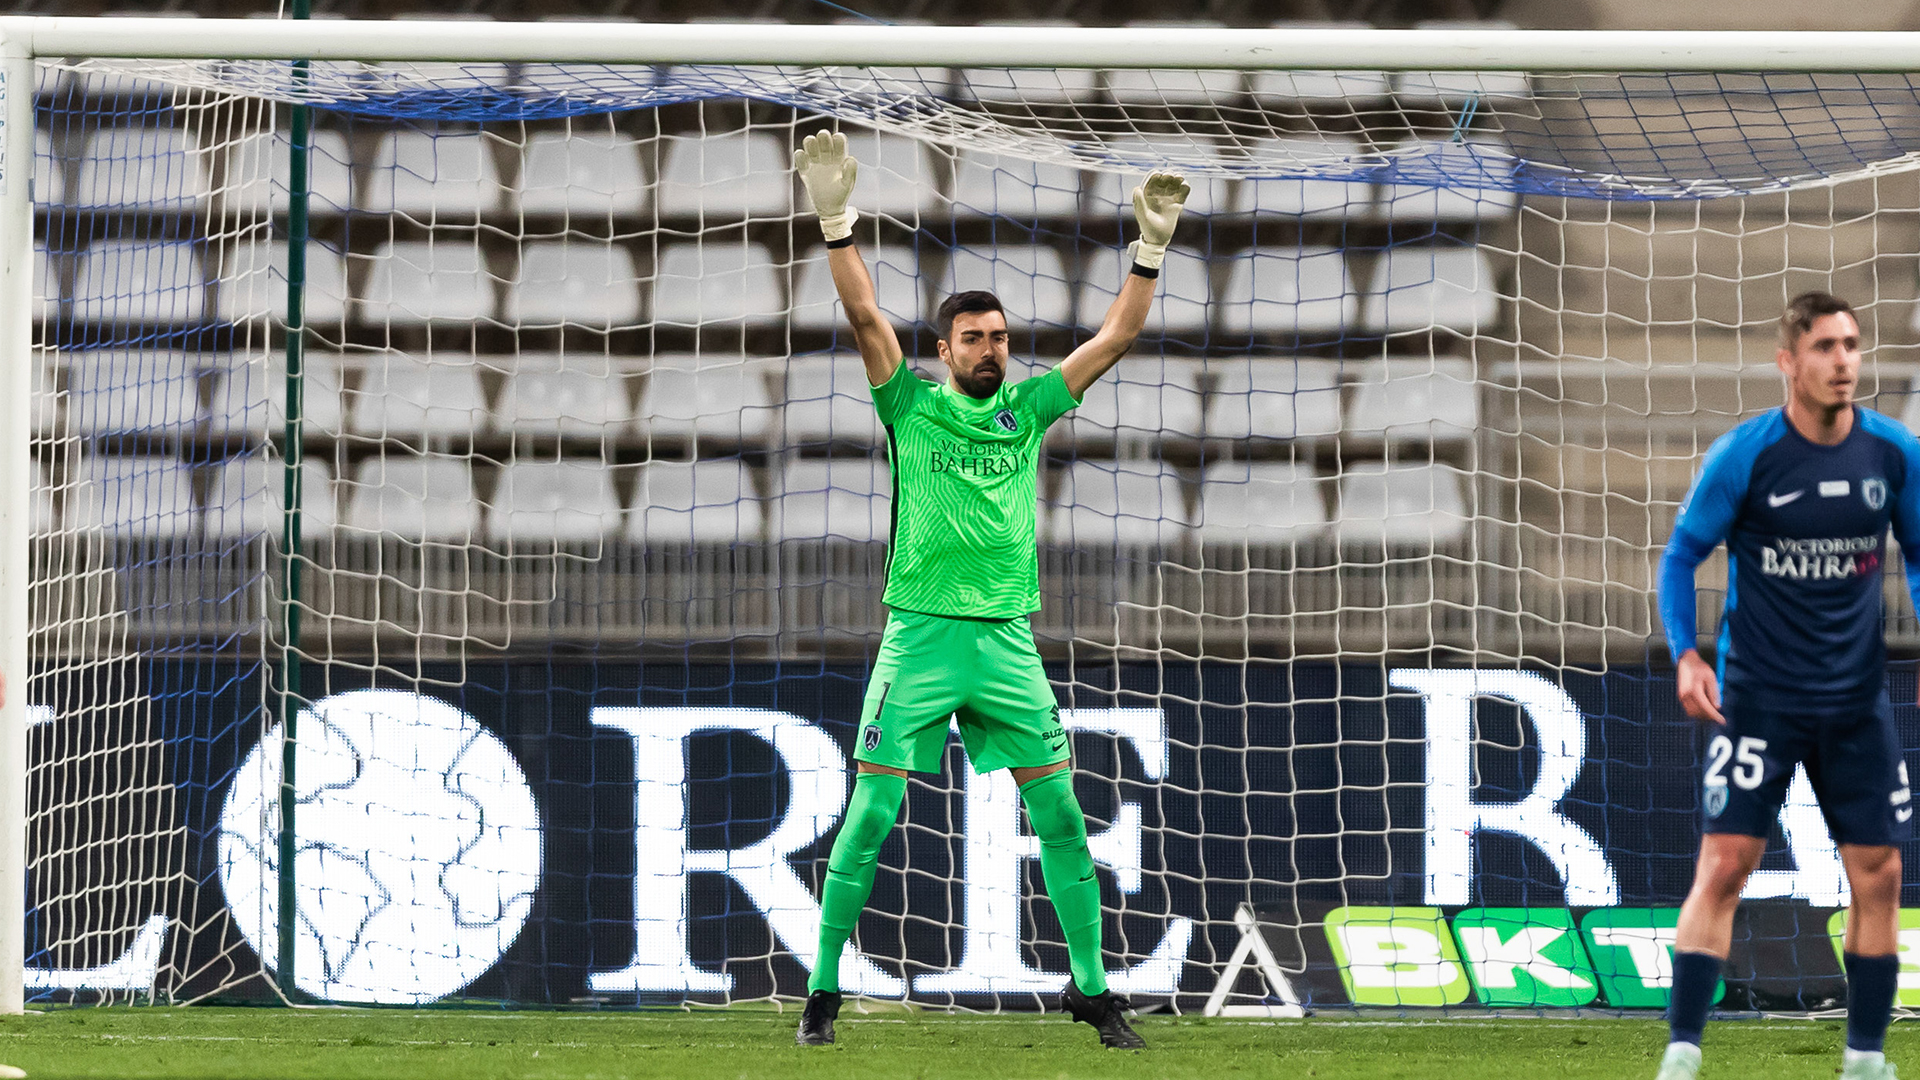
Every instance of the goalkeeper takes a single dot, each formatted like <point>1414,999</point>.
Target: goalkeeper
<point>962,577</point>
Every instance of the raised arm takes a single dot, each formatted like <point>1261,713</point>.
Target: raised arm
<point>1156,208</point>
<point>828,172</point>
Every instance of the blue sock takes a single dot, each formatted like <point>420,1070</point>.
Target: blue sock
<point>1696,975</point>
<point>1871,983</point>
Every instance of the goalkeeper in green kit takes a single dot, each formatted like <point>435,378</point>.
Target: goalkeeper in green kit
<point>962,578</point>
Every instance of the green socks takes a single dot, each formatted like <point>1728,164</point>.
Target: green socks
<point>870,816</point>
<point>1068,870</point>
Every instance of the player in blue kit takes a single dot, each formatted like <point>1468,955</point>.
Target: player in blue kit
<point>1802,496</point>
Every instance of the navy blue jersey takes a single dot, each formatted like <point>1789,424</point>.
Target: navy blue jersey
<point>1805,527</point>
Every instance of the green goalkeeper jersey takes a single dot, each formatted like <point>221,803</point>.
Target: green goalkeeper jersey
<point>965,493</point>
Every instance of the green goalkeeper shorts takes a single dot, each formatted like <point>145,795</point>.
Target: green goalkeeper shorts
<point>985,674</point>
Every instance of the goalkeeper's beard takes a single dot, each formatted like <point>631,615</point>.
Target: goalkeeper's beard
<point>982,382</point>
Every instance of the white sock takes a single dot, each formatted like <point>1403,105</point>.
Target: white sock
<point>1684,1049</point>
<point>1872,1057</point>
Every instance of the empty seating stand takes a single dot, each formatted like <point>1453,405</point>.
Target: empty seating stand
<point>582,173</point>
<point>567,501</point>
<point>828,401</point>
<point>1402,504</point>
<point>247,498</point>
<point>422,498</point>
<point>564,396</point>
<point>404,396</point>
<point>707,401</point>
<point>1117,504</point>
<point>725,175</point>
<point>711,501</point>
<point>1260,502</point>
<point>841,498</point>
<point>1423,400</point>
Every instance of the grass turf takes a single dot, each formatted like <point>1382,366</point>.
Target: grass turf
<point>348,1044</point>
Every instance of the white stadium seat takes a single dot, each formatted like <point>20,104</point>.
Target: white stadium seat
<point>566,500</point>
<point>895,270</point>
<point>1422,399</point>
<point>1260,502</point>
<point>1124,503</point>
<point>1141,404</point>
<point>257,172</point>
<point>139,282</point>
<point>985,185</point>
<point>1425,288</point>
<point>49,176</point>
<point>1030,281</point>
<point>427,498</point>
<point>582,173</point>
<point>46,395</point>
<point>1273,398</point>
<point>253,282</point>
<point>248,496</point>
<point>43,519</point>
<point>721,399</point>
<point>419,281</point>
<point>725,175</point>
<point>896,175</point>
<point>1401,504</point>
<point>250,397</point>
<point>580,396</point>
<point>110,392</point>
<point>134,497</point>
<point>427,174</point>
<point>406,396</point>
<point>843,498</point>
<point>707,501</point>
<point>1110,192</point>
<point>1288,291</point>
<point>575,283</point>
<point>149,168</point>
<point>1304,198</point>
<point>1180,299</point>
<point>46,277</point>
<point>716,283</point>
<point>828,400</point>
<point>1429,202</point>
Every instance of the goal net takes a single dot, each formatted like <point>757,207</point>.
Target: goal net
<point>1347,568</point>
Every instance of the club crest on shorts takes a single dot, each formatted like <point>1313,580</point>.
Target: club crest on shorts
<point>1716,800</point>
<point>1874,490</point>
<point>870,738</point>
<point>1006,421</point>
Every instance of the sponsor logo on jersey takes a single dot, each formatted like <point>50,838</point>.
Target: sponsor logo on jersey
<point>1006,421</point>
<point>1825,558</point>
<point>1874,491</point>
<point>977,458</point>
<point>1834,489</point>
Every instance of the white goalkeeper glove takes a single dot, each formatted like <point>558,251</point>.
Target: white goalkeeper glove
<point>828,173</point>
<point>1156,208</point>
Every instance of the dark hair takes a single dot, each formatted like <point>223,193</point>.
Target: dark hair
<point>963,303</point>
<point>1803,310</point>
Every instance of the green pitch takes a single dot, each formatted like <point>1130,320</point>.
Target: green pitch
<point>347,1044</point>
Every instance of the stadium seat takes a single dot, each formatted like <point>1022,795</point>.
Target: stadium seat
<point>250,397</point>
<point>46,396</point>
<point>828,400</point>
<point>139,282</point>
<point>1401,504</point>
<point>1139,404</point>
<point>418,281</point>
<point>1260,502</point>
<point>1288,291</point>
<point>897,285</point>
<point>565,501</point>
<point>717,283</point>
<point>46,275</point>
<point>726,175</point>
<point>708,501</point>
<point>49,176</point>
<point>425,174</point>
<point>1424,288</point>
<point>985,185</point>
<point>1304,198</point>
<point>415,497</point>
<point>576,282</point>
<point>1421,399</point>
<point>110,392</point>
<point>1125,503</point>
<point>1110,192</point>
<point>253,282</point>
<point>1272,398</point>
<point>144,168</point>
<point>42,518</point>
<point>896,175</point>
<point>1180,299</point>
<point>842,498</point>
<point>574,396</point>
<point>717,399</point>
<point>257,172</point>
<point>1030,281</point>
<point>587,172</point>
<point>1433,202</point>
<point>406,396</point>
<point>247,497</point>
<point>132,497</point>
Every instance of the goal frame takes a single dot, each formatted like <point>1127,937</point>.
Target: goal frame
<point>23,39</point>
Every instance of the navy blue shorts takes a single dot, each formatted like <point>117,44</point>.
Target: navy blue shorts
<point>1853,761</point>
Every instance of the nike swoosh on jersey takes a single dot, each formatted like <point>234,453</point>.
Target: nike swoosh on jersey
<point>1782,500</point>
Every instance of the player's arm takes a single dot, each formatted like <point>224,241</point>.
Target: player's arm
<point>1706,518</point>
<point>1156,208</point>
<point>1906,517</point>
<point>828,172</point>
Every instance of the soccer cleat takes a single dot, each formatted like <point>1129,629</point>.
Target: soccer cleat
<point>1868,1067</point>
<point>1105,1013</point>
<point>816,1020</point>
<point>1682,1062</point>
